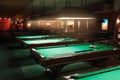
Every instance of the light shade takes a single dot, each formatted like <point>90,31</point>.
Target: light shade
<point>75,18</point>
<point>75,12</point>
<point>68,13</point>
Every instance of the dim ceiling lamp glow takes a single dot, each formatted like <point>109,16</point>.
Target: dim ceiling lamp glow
<point>47,24</point>
<point>70,22</point>
<point>74,18</point>
<point>118,21</point>
<point>29,25</point>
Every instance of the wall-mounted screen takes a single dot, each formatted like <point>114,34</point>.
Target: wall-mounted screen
<point>105,24</point>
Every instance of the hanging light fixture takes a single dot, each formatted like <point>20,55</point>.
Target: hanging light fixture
<point>67,12</point>
<point>75,12</point>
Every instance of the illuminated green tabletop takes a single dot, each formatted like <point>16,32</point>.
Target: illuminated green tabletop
<point>71,50</point>
<point>49,40</point>
<point>34,36</point>
<point>56,57</point>
<point>106,74</point>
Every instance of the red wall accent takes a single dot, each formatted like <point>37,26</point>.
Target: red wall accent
<point>5,24</point>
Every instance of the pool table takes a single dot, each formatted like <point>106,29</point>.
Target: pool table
<point>28,37</point>
<point>56,57</point>
<point>47,42</point>
<point>112,73</point>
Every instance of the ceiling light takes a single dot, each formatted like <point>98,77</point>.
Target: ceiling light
<point>75,18</point>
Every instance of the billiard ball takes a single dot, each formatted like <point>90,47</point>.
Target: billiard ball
<point>92,46</point>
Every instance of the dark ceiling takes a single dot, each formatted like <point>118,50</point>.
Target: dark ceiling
<point>33,7</point>
<point>12,7</point>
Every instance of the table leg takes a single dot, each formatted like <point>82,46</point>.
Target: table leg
<point>56,71</point>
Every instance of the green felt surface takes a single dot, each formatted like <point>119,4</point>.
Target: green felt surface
<point>34,36</point>
<point>51,40</point>
<point>106,74</point>
<point>62,51</point>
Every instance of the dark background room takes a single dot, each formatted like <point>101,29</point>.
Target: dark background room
<point>59,39</point>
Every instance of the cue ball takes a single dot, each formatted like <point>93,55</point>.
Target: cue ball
<point>114,49</point>
<point>92,46</point>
